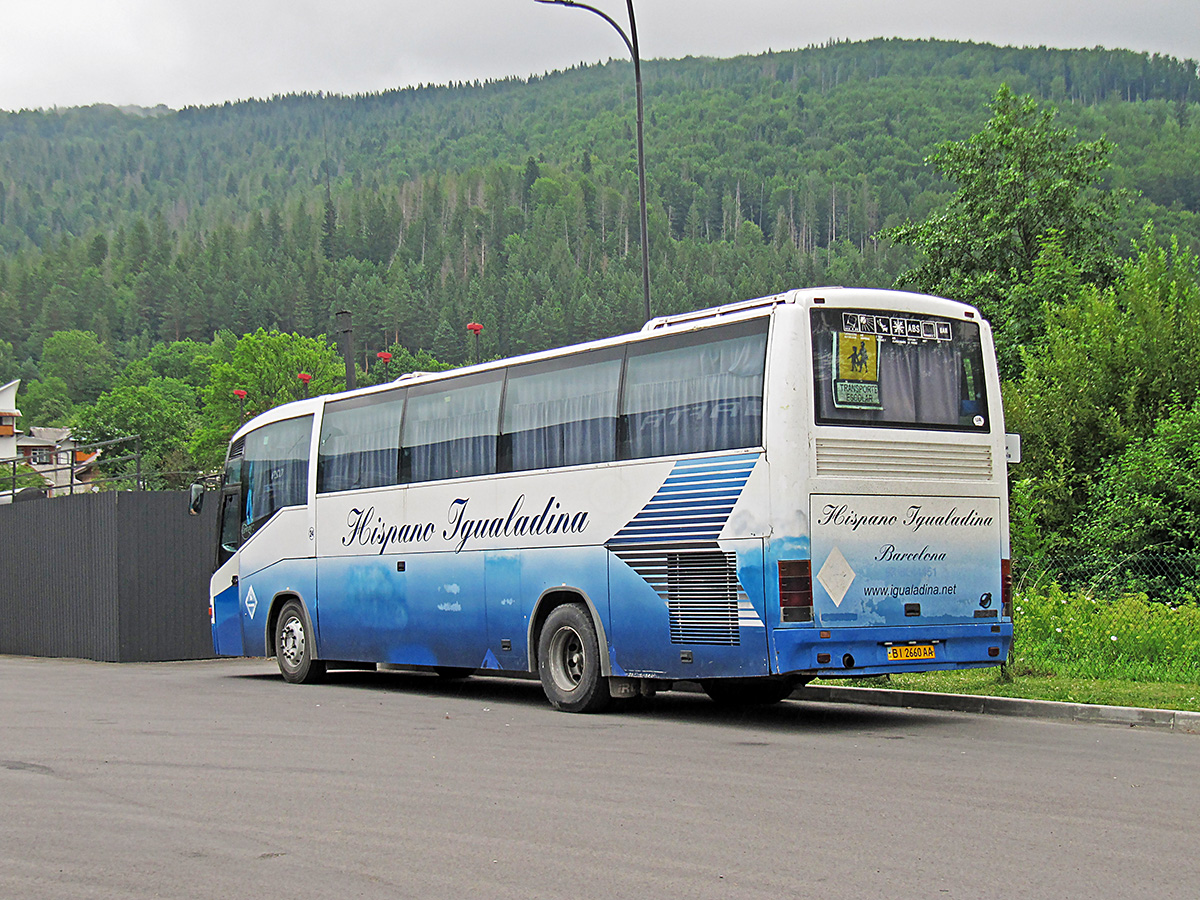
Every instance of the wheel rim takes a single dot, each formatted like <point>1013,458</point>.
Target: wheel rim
<point>291,642</point>
<point>567,659</point>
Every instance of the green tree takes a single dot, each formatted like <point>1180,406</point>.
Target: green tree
<point>45,402</point>
<point>1020,181</point>
<point>9,366</point>
<point>1114,364</point>
<point>85,365</point>
<point>1148,497</point>
<point>266,365</point>
<point>162,412</point>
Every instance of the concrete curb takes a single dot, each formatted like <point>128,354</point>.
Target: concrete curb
<point>1170,719</point>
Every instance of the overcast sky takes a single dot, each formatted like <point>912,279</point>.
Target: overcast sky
<point>181,52</point>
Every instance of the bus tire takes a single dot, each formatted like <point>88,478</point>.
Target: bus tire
<point>569,661</point>
<point>294,647</point>
<point>749,691</point>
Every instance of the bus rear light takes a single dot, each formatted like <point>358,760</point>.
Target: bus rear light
<point>795,590</point>
<point>1006,588</point>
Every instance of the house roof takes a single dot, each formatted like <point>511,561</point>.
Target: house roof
<point>32,441</point>
<point>55,435</point>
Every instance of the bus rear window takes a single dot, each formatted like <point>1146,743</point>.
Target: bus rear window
<point>898,370</point>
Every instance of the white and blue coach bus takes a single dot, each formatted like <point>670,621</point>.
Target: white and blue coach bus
<point>749,497</point>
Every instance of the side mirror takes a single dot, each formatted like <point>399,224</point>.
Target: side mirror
<point>1012,448</point>
<point>196,502</point>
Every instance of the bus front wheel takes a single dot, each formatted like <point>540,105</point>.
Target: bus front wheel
<point>294,647</point>
<point>569,661</point>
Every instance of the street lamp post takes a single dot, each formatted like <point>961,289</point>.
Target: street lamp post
<point>631,42</point>
<point>387,358</point>
<point>241,398</point>
<point>475,328</point>
<point>306,378</point>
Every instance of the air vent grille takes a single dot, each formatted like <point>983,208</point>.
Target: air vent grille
<point>849,458</point>
<point>701,590</point>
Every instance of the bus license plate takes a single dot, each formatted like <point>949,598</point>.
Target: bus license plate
<point>910,651</point>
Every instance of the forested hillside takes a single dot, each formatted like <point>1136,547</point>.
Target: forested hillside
<point>514,204</point>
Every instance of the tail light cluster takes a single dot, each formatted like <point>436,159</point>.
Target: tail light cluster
<point>1006,588</point>
<point>795,590</point>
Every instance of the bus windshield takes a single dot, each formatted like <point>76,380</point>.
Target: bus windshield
<point>900,370</point>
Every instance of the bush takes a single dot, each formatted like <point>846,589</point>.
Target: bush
<point>1076,633</point>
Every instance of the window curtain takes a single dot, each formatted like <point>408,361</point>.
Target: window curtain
<point>360,444</point>
<point>919,384</point>
<point>452,434</point>
<point>695,399</point>
<point>562,417</point>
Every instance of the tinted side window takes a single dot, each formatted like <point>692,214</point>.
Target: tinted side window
<point>360,442</point>
<point>561,413</point>
<point>451,431</point>
<point>695,393</point>
<point>274,470</point>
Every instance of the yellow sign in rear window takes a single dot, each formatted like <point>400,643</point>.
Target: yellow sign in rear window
<point>856,379</point>
<point>858,357</point>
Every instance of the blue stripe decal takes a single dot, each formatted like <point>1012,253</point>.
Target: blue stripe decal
<point>732,488</point>
<point>675,503</point>
<point>732,477</point>
<point>693,502</point>
<point>742,459</point>
<point>667,524</point>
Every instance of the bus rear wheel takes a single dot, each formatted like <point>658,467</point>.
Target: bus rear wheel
<point>569,661</point>
<point>749,691</point>
<point>294,647</point>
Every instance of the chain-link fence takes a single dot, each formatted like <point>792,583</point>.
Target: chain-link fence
<point>1134,617</point>
<point>1162,577</point>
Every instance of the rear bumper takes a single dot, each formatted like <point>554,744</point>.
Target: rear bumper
<point>863,651</point>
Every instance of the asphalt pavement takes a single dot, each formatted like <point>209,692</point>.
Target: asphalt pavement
<point>217,779</point>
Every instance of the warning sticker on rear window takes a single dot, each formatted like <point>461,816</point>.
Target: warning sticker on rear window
<point>856,375</point>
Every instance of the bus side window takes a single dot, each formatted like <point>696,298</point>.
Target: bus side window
<point>360,443</point>
<point>452,432</point>
<point>695,393</point>
<point>561,415</point>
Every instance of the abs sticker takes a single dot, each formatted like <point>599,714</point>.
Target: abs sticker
<point>856,372</point>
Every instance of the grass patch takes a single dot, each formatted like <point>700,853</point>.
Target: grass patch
<point>1080,647</point>
<point>1069,689</point>
<point>1125,638</point>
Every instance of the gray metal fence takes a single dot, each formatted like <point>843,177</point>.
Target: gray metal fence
<point>119,576</point>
